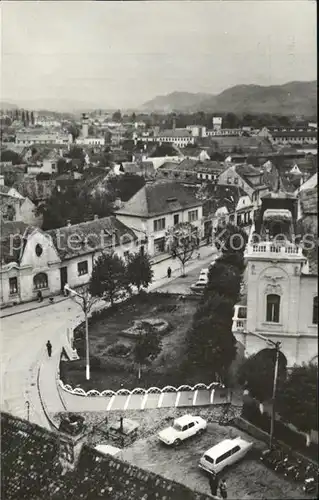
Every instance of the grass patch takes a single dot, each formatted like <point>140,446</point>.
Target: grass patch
<point>105,329</point>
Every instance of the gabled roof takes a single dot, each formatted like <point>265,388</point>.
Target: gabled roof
<point>159,198</point>
<point>98,234</point>
<point>31,469</point>
<point>309,201</point>
<point>12,233</point>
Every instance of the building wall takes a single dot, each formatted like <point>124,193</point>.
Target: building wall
<point>50,263</point>
<point>295,329</point>
<point>231,178</point>
<point>146,226</point>
<point>159,161</point>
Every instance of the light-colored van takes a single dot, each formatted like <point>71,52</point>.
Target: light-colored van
<point>224,454</point>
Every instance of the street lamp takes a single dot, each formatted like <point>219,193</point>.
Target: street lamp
<point>276,346</point>
<point>85,305</point>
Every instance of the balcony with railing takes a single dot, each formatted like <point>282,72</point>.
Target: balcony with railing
<point>274,249</point>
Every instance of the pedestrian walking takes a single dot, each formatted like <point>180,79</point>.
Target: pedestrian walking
<point>169,272</point>
<point>213,483</point>
<point>39,296</point>
<point>223,488</point>
<point>49,348</point>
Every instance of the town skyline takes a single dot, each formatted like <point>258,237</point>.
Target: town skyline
<point>91,62</point>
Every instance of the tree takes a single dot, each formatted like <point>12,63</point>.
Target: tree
<point>257,374</point>
<point>126,185</point>
<point>32,118</point>
<point>211,345</point>
<point>74,130</point>
<point>108,278</point>
<point>23,117</point>
<point>148,346</point>
<point>27,118</point>
<point>297,399</point>
<point>225,279</point>
<point>139,270</point>
<point>8,155</point>
<point>133,117</point>
<point>182,241</point>
<point>117,116</point>
<point>230,239</point>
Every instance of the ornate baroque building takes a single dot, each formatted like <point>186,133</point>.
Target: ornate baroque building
<point>281,300</point>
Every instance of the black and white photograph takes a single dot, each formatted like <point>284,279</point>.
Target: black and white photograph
<point>159,250</point>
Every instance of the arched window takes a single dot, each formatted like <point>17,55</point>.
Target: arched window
<point>315,311</point>
<point>273,308</point>
<point>40,281</point>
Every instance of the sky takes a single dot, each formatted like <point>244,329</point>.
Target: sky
<point>121,54</point>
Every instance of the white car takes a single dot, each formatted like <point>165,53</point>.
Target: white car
<point>198,287</point>
<point>183,428</point>
<point>223,454</point>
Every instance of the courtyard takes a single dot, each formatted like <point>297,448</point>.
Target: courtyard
<point>247,479</point>
<point>112,362</point>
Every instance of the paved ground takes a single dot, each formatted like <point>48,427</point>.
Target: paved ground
<point>23,337</point>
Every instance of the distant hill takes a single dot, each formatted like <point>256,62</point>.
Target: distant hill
<point>176,101</point>
<point>7,106</point>
<point>293,98</point>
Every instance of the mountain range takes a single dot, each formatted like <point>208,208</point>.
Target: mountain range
<point>293,98</point>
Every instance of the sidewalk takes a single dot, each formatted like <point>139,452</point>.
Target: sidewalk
<point>29,306</point>
<point>47,382</point>
<point>160,278</point>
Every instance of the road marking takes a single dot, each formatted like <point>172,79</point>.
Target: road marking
<point>212,396</point>
<point>109,406</point>
<point>177,399</point>
<point>195,397</point>
<point>144,401</point>
<point>160,400</point>
<point>127,401</point>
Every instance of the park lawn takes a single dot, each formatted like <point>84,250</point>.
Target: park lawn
<point>111,372</point>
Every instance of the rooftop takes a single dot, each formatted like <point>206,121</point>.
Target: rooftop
<point>175,133</point>
<point>80,239</point>
<point>159,198</point>
<point>31,469</point>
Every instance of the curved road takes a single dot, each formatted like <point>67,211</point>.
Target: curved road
<point>23,338</point>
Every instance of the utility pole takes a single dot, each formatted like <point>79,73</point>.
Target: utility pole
<point>27,403</point>
<point>85,305</point>
<point>276,346</point>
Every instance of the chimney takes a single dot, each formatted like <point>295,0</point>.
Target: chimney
<point>95,217</point>
<point>121,425</point>
<point>174,123</point>
<point>118,203</point>
<point>1,180</point>
<point>68,223</point>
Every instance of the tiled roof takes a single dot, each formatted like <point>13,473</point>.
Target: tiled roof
<point>309,201</point>
<point>11,239</point>
<point>194,166</point>
<point>81,239</point>
<point>35,190</point>
<point>175,133</point>
<point>4,189</point>
<point>247,170</point>
<point>159,198</point>
<point>302,133</point>
<point>31,470</point>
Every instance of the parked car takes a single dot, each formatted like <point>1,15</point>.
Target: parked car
<point>223,454</point>
<point>183,428</point>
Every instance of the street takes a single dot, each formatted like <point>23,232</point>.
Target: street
<point>23,338</point>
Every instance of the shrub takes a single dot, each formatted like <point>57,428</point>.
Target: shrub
<point>119,349</point>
